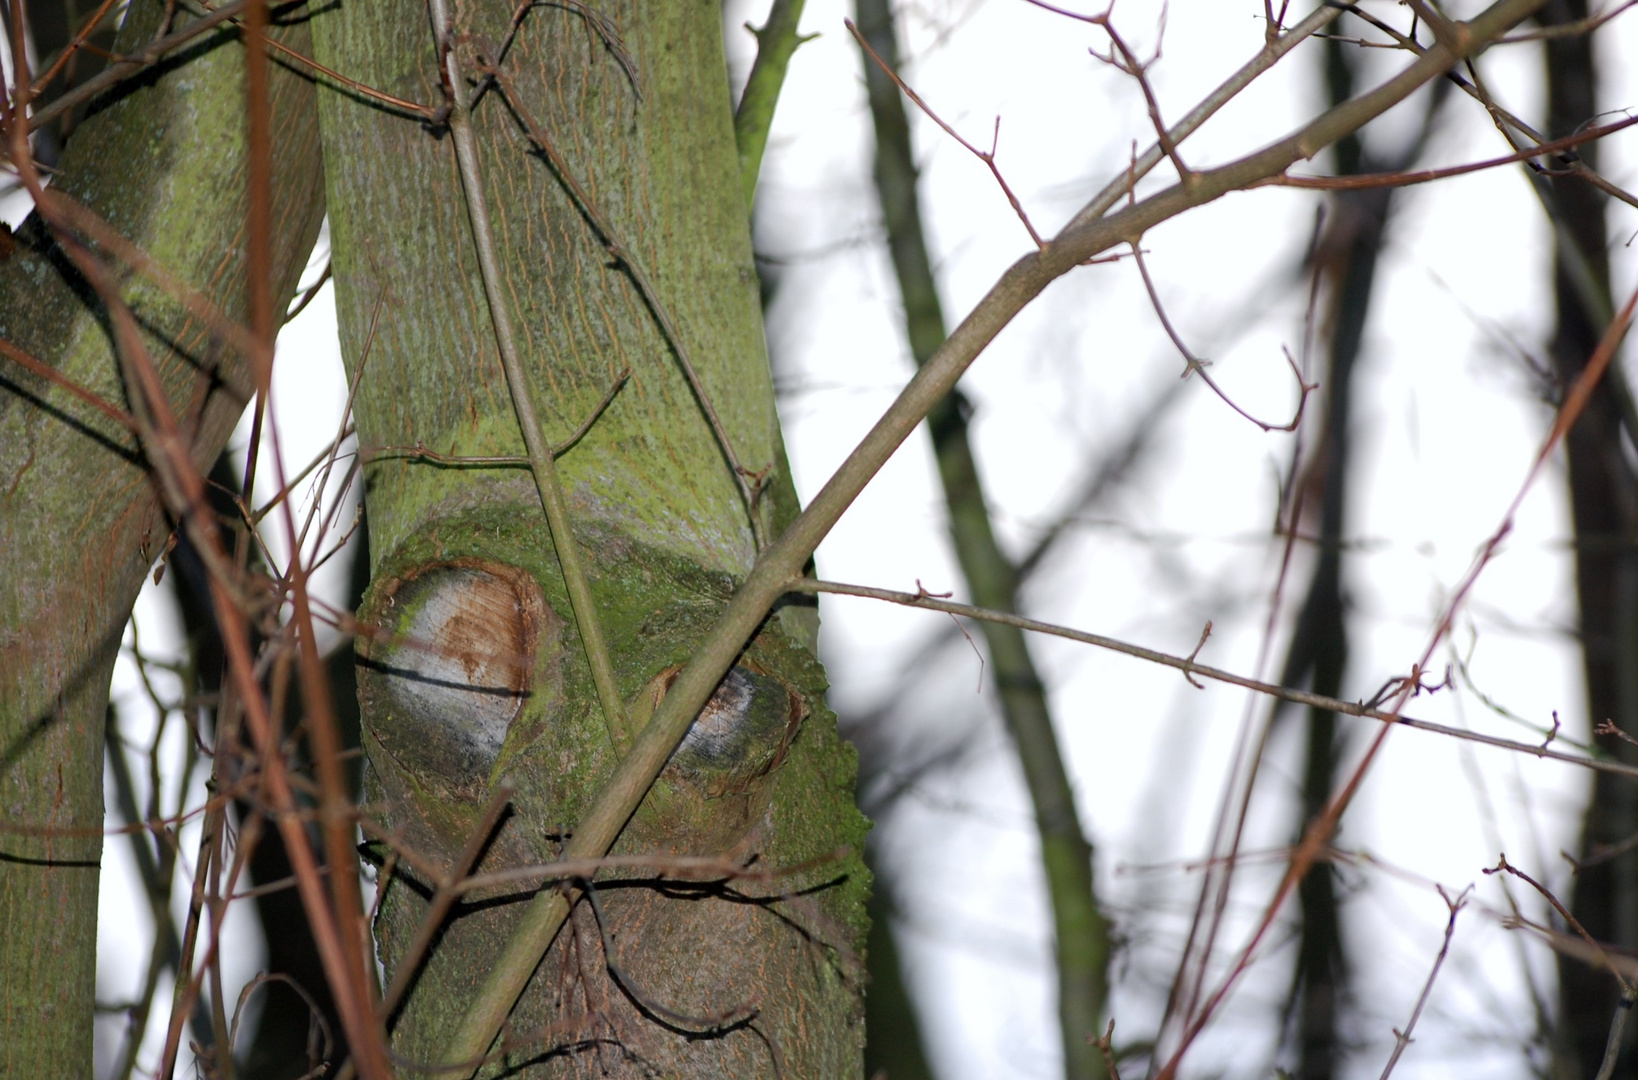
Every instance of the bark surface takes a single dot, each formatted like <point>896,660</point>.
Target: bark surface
<point>162,159</point>
<point>476,673</point>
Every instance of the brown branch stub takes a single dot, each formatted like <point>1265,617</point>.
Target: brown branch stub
<point>1106,1044</point>
<point>1201,644</point>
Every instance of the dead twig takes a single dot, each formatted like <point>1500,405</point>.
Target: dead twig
<point>986,156</point>
<point>1189,667</point>
<point>1402,1039</point>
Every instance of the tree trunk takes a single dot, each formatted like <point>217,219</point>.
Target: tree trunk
<point>163,162</point>
<point>1604,511</point>
<point>475,671</point>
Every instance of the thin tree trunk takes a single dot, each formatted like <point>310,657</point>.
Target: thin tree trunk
<point>1345,257</point>
<point>893,1042</point>
<point>164,163</point>
<point>1081,935</point>
<point>478,672</point>
<point>1604,511</point>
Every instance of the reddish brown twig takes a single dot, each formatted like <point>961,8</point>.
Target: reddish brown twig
<point>1423,176</point>
<point>169,453</point>
<point>75,44</point>
<point>41,369</point>
<point>308,294</point>
<point>126,66</point>
<point>1106,1044</point>
<point>986,156</point>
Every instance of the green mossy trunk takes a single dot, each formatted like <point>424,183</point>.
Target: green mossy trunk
<point>163,161</point>
<point>477,674</point>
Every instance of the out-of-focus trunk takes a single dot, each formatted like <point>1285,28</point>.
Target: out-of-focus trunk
<point>1604,511</point>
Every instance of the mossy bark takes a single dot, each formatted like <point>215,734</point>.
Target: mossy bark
<point>475,673</point>
<point>162,160</point>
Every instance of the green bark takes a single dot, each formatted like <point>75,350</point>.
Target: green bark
<point>162,159</point>
<point>480,675</point>
<point>777,40</point>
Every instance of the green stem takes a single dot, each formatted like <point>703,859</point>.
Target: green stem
<point>541,458</point>
<point>776,42</point>
<point>782,562</point>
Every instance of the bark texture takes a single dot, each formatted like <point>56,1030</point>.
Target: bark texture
<point>161,159</point>
<point>477,674</point>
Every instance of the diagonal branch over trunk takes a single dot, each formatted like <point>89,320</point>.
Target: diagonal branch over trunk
<point>1084,238</point>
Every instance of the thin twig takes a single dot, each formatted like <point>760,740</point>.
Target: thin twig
<point>443,899</point>
<point>1275,49</point>
<point>79,40</point>
<point>1195,366</point>
<point>1106,1045</point>
<point>517,381</point>
<point>1503,866</point>
<point>1088,235</point>
<point>1190,667</point>
<point>986,156</point>
<point>1423,176</point>
<point>691,1025</point>
<point>307,296</point>
<point>1569,29</point>
<point>40,369</point>
<point>1402,1039</point>
<point>1320,831</point>
<point>750,493</point>
<point>1618,1029</point>
<point>70,214</point>
<point>1139,70</point>
<point>607,31</point>
<point>420,452</point>
<point>284,493</point>
<point>694,868</point>
<point>183,489</point>
<point>380,97</point>
<point>127,66</point>
<point>1506,122</point>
